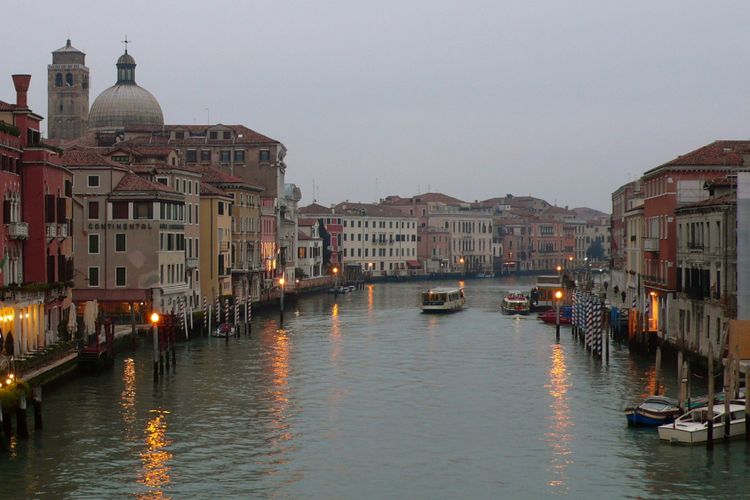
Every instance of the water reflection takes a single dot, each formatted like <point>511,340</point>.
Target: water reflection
<point>127,399</point>
<point>156,456</point>
<point>559,430</point>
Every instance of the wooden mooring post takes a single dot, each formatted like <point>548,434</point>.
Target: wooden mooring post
<point>710,428</point>
<point>680,383</point>
<point>3,435</point>
<point>727,395</point>
<point>657,370</point>
<point>37,393</point>
<point>22,424</point>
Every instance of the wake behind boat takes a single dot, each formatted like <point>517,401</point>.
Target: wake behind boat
<point>443,299</point>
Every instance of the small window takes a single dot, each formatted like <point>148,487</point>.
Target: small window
<point>224,156</point>
<point>239,157</point>
<point>179,135</point>
<point>227,134</point>
<point>221,208</point>
<point>120,274</point>
<point>93,181</point>
<point>213,135</point>
<point>191,156</point>
<point>93,276</point>
<point>68,80</point>
<point>206,155</point>
<point>264,155</point>
<point>121,158</point>
<point>120,242</point>
<point>94,210</point>
<point>58,80</point>
<point>163,180</point>
<point>120,210</point>
<point>93,243</point>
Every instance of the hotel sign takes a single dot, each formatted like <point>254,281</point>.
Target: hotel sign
<point>117,225</point>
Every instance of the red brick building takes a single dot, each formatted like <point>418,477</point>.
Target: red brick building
<point>34,240</point>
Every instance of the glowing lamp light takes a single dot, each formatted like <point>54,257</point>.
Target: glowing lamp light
<point>11,376</point>
<point>558,295</point>
<point>7,382</point>
<point>154,317</point>
<point>281,281</point>
<point>559,268</point>
<point>335,270</point>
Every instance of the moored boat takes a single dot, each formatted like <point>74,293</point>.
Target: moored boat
<point>655,410</point>
<point>515,302</point>
<point>443,299</point>
<point>550,316</point>
<point>692,427</point>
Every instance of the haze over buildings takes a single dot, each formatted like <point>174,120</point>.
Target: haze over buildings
<point>409,97</point>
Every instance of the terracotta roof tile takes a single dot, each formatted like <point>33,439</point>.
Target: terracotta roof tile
<point>718,153</point>
<point>209,190</point>
<point>87,157</point>
<point>133,182</point>
<point>314,208</point>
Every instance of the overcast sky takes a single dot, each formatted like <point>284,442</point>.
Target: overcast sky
<point>561,100</point>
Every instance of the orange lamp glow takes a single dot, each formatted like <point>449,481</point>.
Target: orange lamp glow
<point>154,317</point>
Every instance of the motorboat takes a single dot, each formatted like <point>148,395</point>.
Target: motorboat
<point>515,302</point>
<point>655,410</point>
<point>550,315</point>
<point>692,427</point>
<point>443,299</point>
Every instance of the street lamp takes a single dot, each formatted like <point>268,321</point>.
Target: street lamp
<point>155,323</point>
<point>558,297</point>
<point>463,268</point>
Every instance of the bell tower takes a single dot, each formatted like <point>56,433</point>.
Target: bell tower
<point>67,94</point>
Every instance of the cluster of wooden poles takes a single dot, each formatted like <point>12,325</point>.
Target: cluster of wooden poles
<point>22,426</point>
<point>587,323</point>
<point>732,377</point>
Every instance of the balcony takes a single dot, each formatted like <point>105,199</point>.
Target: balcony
<point>18,230</point>
<point>191,262</point>
<point>223,246</point>
<point>651,244</point>
<point>62,230</point>
<point>51,230</point>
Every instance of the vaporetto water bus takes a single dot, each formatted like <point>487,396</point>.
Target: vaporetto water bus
<point>443,299</point>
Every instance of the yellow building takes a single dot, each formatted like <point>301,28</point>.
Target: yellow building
<point>215,242</point>
<point>245,265</point>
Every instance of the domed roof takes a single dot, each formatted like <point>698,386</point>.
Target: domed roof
<point>125,103</point>
<point>126,59</point>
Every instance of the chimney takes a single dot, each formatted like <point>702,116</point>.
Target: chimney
<point>21,83</point>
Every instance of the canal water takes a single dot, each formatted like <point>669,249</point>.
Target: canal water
<point>363,396</point>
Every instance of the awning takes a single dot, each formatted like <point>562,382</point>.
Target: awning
<point>413,264</point>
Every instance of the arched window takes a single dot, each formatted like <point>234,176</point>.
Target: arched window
<point>58,80</point>
<point>69,79</point>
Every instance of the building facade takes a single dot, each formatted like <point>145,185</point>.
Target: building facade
<point>67,94</point>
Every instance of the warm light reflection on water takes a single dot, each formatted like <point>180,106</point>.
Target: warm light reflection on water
<point>156,456</point>
<point>335,335</point>
<point>370,298</point>
<point>558,435</point>
<point>127,399</point>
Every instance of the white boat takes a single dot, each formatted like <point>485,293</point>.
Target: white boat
<point>515,303</point>
<point>443,299</point>
<point>692,427</point>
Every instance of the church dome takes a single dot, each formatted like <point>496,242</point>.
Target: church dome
<point>125,103</point>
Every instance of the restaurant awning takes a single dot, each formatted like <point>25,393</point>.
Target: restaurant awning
<point>413,264</point>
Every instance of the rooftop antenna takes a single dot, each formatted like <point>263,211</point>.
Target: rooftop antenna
<point>126,42</point>
<point>313,193</point>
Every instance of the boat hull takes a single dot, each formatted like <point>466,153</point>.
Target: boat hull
<point>641,418</point>
<point>677,435</point>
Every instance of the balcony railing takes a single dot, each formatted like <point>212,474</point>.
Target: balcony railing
<point>51,230</point>
<point>191,262</point>
<point>18,230</point>
<point>223,246</point>
<point>651,244</point>
<point>62,230</point>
